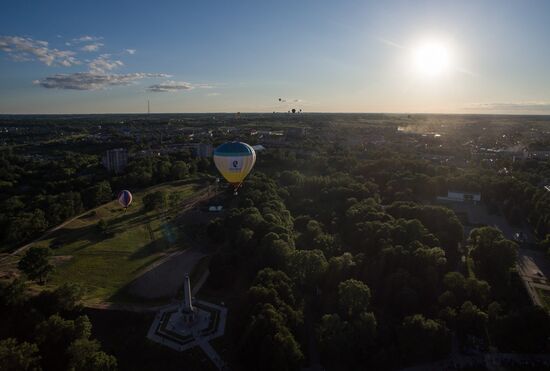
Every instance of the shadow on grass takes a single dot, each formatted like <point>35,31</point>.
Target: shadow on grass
<point>151,248</point>
<point>88,233</point>
<point>129,220</point>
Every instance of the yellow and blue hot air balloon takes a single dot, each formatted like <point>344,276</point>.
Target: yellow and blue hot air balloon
<point>234,161</point>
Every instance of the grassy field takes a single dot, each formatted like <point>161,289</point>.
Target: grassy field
<point>106,262</point>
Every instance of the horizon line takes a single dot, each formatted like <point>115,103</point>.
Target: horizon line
<point>279,112</point>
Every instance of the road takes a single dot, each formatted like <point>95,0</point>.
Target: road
<point>533,266</point>
<point>534,271</point>
<point>164,278</point>
<point>487,361</point>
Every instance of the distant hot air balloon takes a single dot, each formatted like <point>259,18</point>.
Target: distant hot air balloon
<point>234,161</point>
<point>280,100</point>
<point>294,110</point>
<point>125,198</point>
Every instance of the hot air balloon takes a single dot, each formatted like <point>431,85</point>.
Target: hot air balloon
<point>234,161</point>
<point>125,198</point>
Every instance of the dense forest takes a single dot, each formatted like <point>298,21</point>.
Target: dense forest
<point>353,251</point>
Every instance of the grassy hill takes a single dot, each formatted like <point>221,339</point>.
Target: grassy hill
<point>104,263</point>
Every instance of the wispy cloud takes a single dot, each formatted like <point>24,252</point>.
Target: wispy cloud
<point>390,43</point>
<point>213,94</point>
<point>28,49</point>
<point>174,86</point>
<point>94,47</point>
<point>104,63</point>
<point>528,106</point>
<point>93,81</point>
<point>130,51</point>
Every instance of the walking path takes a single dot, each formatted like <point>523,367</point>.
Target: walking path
<point>212,354</point>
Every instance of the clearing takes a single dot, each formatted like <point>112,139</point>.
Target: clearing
<point>104,263</point>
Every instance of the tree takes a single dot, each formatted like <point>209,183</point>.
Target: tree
<point>12,293</point>
<point>274,252</point>
<point>102,226</point>
<point>478,291</point>
<point>98,194</point>
<point>365,329</point>
<point>56,334</point>
<point>353,297</point>
<point>268,344</point>
<point>155,200</point>
<point>493,255</point>
<point>423,339</point>
<point>525,330</point>
<point>332,331</point>
<point>35,263</point>
<point>19,356</point>
<point>307,267</point>
<point>455,282</point>
<point>85,355</point>
<point>472,321</point>
<point>25,225</point>
<point>180,170</point>
<point>345,344</point>
<point>163,169</point>
<point>68,297</point>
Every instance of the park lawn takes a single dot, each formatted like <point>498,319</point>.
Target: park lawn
<point>105,263</point>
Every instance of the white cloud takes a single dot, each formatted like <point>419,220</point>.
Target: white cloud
<point>212,94</point>
<point>92,47</point>
<point>28,49</point>
<point>103,63</point>
<point>130,51</point>
<point>93,81</point>
<point>174,86</point>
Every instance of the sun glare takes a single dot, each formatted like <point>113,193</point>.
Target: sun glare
<point>431,59</point>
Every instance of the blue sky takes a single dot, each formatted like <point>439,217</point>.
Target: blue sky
<point>228,56</point>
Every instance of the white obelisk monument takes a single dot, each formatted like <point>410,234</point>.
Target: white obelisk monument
<point>187,311</point>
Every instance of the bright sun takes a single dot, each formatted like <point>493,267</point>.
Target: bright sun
<point>431,59</point>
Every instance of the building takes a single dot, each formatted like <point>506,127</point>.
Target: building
<point>115,160</point>
<point>459,196</point>
<point>539,155</point>
<point>204,150</point>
